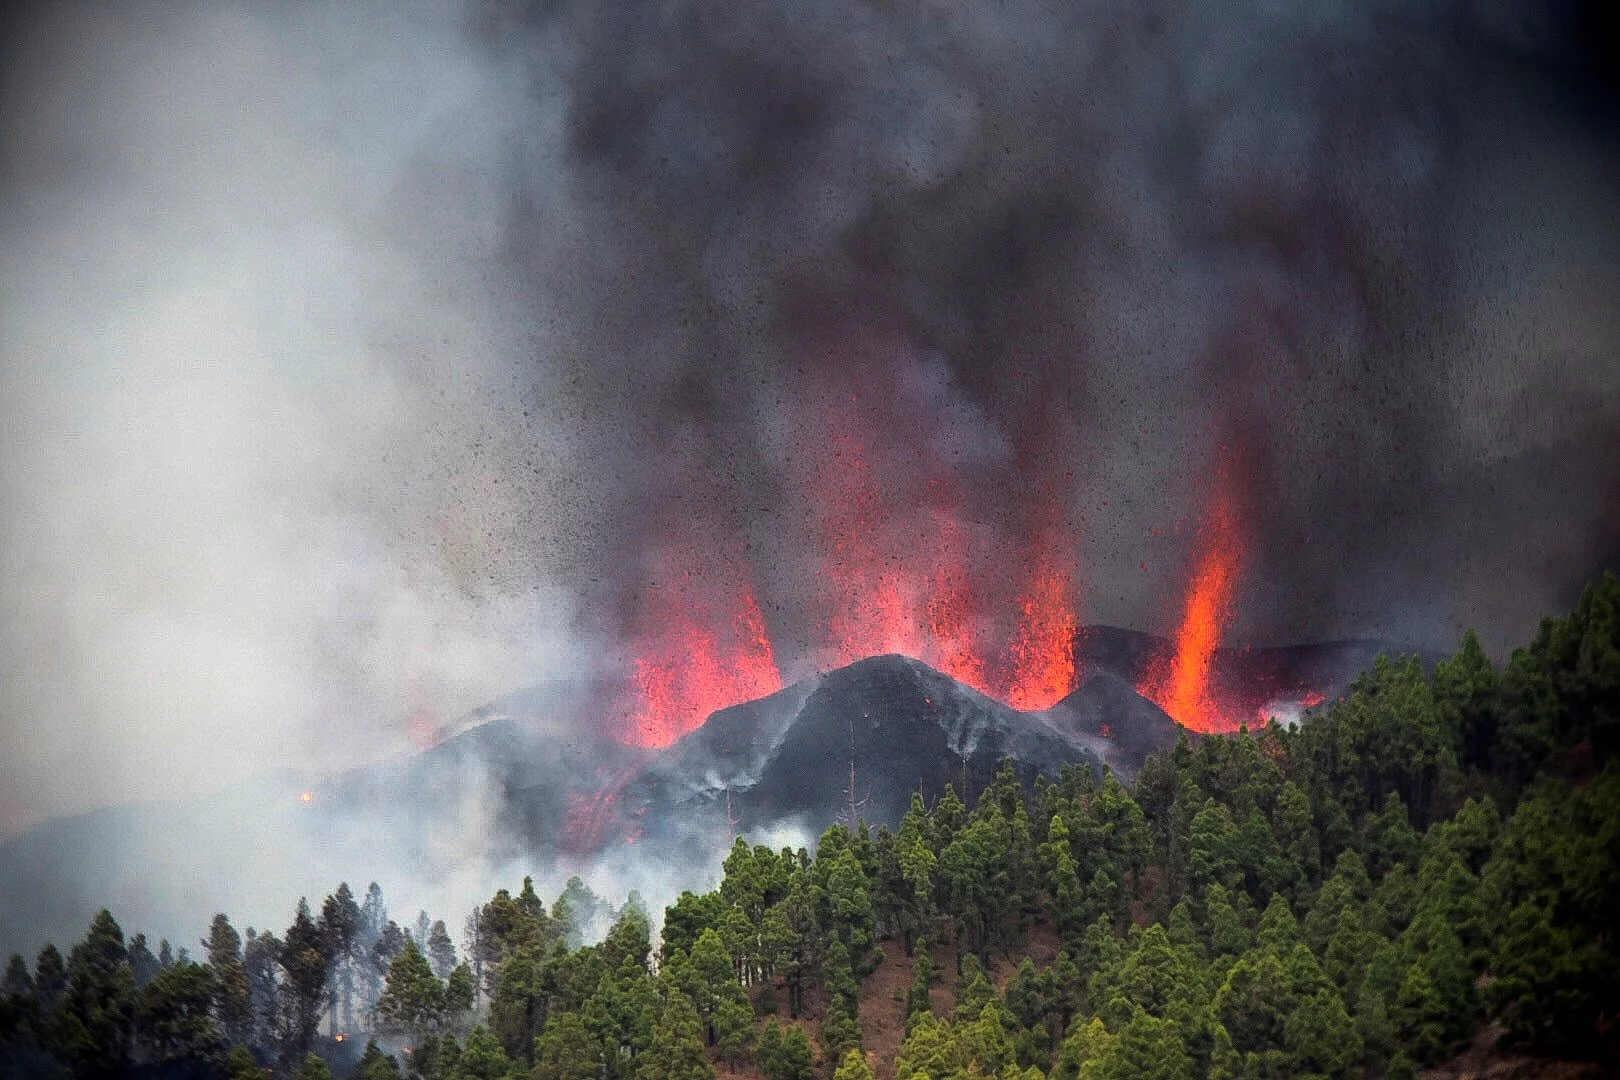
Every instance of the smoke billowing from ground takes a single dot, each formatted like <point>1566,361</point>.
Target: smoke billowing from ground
<point>364,362</point>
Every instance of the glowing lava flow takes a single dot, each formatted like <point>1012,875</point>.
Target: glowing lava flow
<point>1183,691</point>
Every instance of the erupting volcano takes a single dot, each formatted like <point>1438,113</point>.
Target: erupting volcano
<point>893,543</point>
<point>878,585</point>
<point>706,645</point>
<point>710,655</point>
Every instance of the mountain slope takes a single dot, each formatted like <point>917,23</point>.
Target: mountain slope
<point>533,782</point>
<point>898,724</point>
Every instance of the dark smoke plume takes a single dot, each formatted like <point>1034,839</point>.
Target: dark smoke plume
<point>1069,259</point>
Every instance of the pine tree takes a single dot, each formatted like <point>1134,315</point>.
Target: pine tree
<point>1278,929</point>
<point>922,980</point>
<point>305,959</point>
<point>840,1031</point>
<point>734,1027</point>
<point>340,925</point>
<point>1227,937</point>
<point>1023,995</point>
<point>97,1017</point>
<point>483,1058</point>
<point>313,1068</point>
<point>1374,1025</point>
<point>458,995</point>
<point>973,990</point>
<point>50,977</point>
<point>1322,1038</point>
<point>1467,702</point>
<point>412,1000</point>
<point>567,1051</point>
<point>17,983</point>
<point>233,1003</point>
<point>712,977</point>
<point>796,1060</point>
<point>1255,1001</point>
<point>376,1065</point>
<point>517,1011</point>
<point>143,966</point>
<point>174,1020</point>
<point>769,1053</point>
<point>853,1067</point>
<point>677,1045</point>
<point>441,951</point>
<point>240,1065</point>
<point>1145,1049</point>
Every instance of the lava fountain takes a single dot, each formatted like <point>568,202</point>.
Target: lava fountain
<point>1183,689</point>
<point>709,653</point>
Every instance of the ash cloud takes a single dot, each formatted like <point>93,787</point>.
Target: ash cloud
<point>1358,254</point>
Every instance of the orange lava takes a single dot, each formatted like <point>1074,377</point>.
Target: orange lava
<point>899,565</point>
<point>703,660</point>
<point>870,603</point>
<point>1042,651</point>
<point>1183,691</point>
<point>953,648</point>
<point>914,593</point>
<point>589,815</point>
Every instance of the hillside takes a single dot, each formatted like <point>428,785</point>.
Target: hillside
<point>1423,877</point>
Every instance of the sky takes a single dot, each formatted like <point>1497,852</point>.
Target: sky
<point>360,363</point>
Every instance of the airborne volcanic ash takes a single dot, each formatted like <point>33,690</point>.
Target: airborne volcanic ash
<point>364,364</point>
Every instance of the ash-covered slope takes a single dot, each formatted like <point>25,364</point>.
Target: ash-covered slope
<point>1106,714</point>
<point>901,725</point>
<point>431,827</point>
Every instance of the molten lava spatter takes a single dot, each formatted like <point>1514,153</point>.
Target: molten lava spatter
<point>1042,650</point>
<point>698,670</point>
<point>869,602</point>
<point>1183,690</point>
<point>896,570</point>
<point>950,629</point>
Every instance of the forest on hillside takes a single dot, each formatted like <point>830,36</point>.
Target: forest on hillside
<point>1427,865</point>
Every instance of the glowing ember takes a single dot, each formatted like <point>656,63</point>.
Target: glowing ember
<point>1183,691</point>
